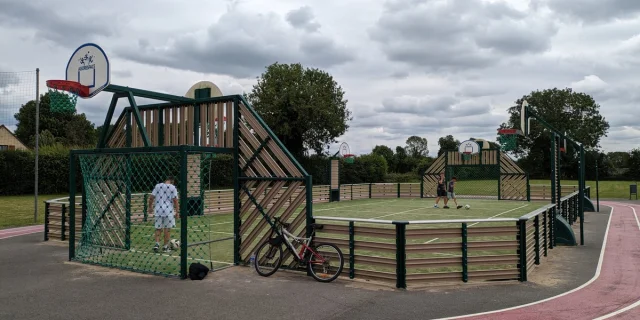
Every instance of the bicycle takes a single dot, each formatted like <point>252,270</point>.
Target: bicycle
<point>318,259</point>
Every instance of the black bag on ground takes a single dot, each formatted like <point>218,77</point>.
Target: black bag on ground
<point>197,271</point>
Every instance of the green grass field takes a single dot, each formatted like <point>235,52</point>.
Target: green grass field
<point>607,189</point>
<point>17,211</point>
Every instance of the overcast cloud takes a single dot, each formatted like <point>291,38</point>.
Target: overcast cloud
<point>409,67</point>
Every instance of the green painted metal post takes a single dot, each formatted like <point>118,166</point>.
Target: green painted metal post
<point>581,195</point>
<point>522,251</point>
<point>145,209</point>
<point>138,118</point>
<point>422,186</point>
<point>545,233</point>
<point>352,261</point>
<point>369,190</point>
<point>398,189</point>
<point>309,189</point>
<point>102,141</point>
<point>465,272</point>
<point>72,205</point>
<point>401,254</point>
<point>128,128</point>
<point>597,190</point>
<point>46,221</point>
<point>127,209</point>
<point>553,170</point>
<point>183,212</point>
<point>498,156</point>
<point>536,237</point>
<point>236,183</point>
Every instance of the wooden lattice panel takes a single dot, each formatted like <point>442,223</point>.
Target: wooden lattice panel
<point>260,156</point>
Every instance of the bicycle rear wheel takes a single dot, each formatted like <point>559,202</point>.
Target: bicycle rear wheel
<point>268,259</point>
<point>327,262</point>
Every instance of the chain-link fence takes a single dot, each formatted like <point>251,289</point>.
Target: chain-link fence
<point>154,212</point>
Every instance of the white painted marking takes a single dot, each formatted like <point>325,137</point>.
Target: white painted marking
<point>629,307</point>
<point>595,277</point>
<point>473,224</point>
<point>360,205</point>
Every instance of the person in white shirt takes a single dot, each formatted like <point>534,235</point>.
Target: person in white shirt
<point>164,201</point>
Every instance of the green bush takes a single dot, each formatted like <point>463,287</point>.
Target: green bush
<point>402,178</point>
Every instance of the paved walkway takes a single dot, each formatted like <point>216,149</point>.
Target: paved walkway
<point>613,293</point>
<point>9,233</point>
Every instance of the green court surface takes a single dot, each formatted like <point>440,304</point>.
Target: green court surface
<point>423,209</point>
<point>218,254</point>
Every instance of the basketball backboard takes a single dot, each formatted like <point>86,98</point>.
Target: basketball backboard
<point>469,147</point>
<point>89,66</point>
<point>524,120</point>
<point>344,149</point>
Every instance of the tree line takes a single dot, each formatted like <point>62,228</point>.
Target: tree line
<point>306,108</point>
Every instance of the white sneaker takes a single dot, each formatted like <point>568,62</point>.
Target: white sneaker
<point>435,205</point>
<point>166,249</point>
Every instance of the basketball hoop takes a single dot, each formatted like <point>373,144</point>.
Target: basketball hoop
<point>349,158</point>
<point>466,156</point>
<point>508,138</point>
<point>62,102</point>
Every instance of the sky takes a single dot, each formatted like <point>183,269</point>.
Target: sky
<point>409,67</point>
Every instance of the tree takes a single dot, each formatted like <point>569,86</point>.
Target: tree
<point>634,164</point>
<point>447,143</point>
<point>417,147</point>
<point>304,107</point>
<point>619,160</point>
<point>387,154</point>
<point>575,113</point>
<point>70,129</point>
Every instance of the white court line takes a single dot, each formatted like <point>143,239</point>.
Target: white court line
<point>595,277</point>
<point>629,307</point>
<point>637,303</point>
<point>393,214</point>
<point>473,224</point>
<point>360,205</point>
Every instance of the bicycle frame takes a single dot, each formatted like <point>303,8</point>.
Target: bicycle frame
<point>299,256</point>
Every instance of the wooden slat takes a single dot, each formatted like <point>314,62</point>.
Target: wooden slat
<point>433,262</point>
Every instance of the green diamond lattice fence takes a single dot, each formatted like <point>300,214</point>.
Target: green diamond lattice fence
<point>151,212</point>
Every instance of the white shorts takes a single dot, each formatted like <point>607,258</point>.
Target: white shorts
<point>452,195</point>
<point>165,222</point>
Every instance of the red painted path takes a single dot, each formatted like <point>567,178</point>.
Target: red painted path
<point>616,287</point>
<point>14,232</point>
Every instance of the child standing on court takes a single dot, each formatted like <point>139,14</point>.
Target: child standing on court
<point>164,201</point>
<point>452,194</point>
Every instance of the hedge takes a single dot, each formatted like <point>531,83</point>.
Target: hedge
<point>17,171</point>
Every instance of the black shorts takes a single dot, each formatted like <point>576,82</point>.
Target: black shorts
<point>442,193</point>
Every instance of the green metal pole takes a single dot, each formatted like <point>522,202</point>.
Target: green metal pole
<point>236,183</point>
<point>597,190</point>
<point>522,251</point>
<point>581,195</point>
<point>465,272</point>
<point>183,213</point>
<point>401,254</point>
<point>127,241</point>
<point>72,205</point>
<point>309,195</point>
<point>352,261</point>
<point>102,141</point>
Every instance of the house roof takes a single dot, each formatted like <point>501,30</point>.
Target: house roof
<point>2,126</point>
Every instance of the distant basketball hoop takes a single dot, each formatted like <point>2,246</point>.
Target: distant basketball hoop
<point>468,148</point>
<point>508,139</point>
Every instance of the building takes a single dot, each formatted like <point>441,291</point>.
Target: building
<point>8,140</point>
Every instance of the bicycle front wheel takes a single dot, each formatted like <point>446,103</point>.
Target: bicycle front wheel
<point>268,259</point>
<point>325,262</point>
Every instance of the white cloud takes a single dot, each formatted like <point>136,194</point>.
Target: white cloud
<point>409,67</point>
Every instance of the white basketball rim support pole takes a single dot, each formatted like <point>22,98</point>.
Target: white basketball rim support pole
<point>35,202</point>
